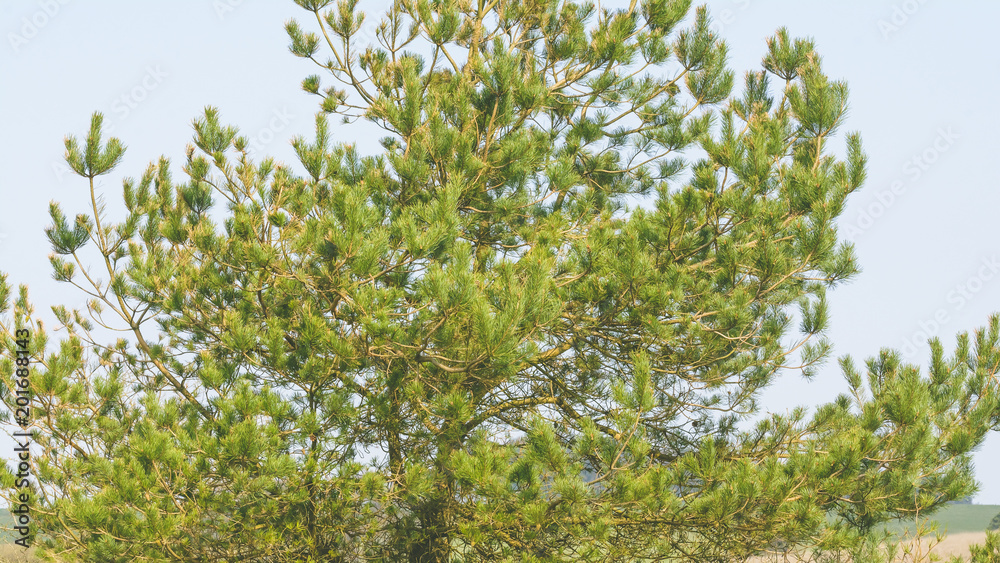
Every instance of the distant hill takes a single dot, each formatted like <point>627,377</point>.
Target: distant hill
<point>7,523</point>
<point>955,519</point>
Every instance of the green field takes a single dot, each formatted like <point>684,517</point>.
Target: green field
<point>955,519</point>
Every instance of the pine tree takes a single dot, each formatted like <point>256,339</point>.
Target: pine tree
<point>535,326</point>
<point>994,524</point>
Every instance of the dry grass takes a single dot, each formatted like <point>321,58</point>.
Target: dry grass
<point>958,544</point>
<point>11,553</point>
<point>950,545</point>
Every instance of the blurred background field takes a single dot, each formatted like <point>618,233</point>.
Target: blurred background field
<point>10,553</point>
<point>953,519</point>
<point>962,525</point>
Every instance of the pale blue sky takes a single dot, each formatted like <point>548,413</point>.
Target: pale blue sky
<point>923,77</point>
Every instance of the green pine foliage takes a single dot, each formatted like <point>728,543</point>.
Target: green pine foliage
<point>534,326</point>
